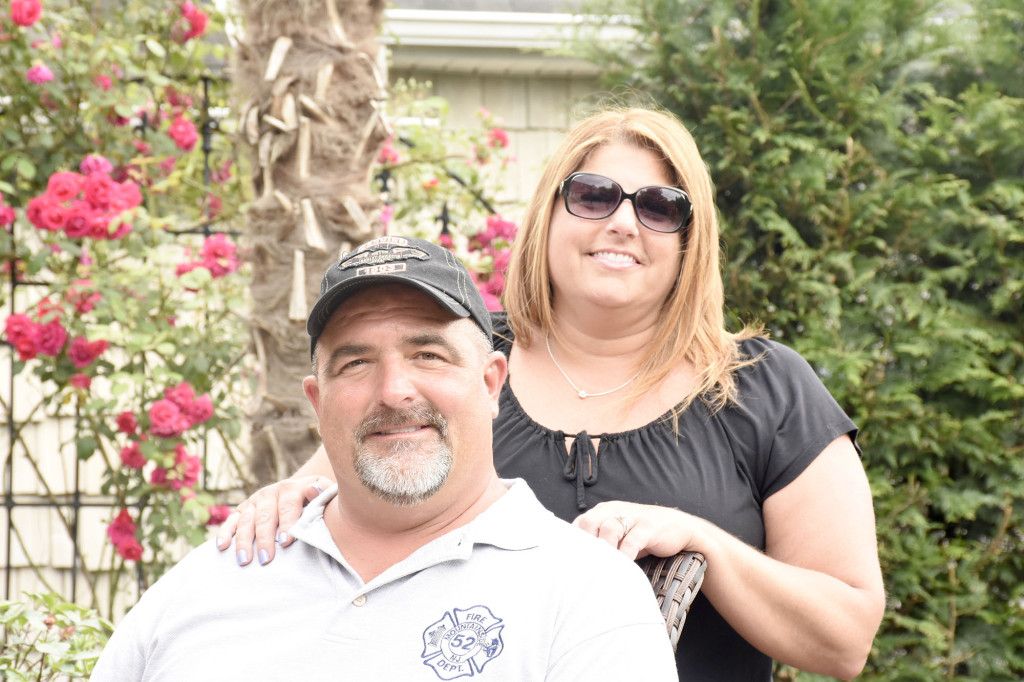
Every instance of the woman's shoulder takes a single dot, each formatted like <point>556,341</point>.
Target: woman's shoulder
<point>772,365</point>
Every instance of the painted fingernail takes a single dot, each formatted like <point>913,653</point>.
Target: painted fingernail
<point>282,538</point>
<point>243,556</point>
<point>318,489</point>
<point>264,557</point>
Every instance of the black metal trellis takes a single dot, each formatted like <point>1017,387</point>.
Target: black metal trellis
<point>73,502</point>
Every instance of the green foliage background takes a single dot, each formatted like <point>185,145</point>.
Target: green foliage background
<point>869,162</point>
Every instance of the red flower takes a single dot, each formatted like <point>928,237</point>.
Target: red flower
<point>219,255</point>
<point>7,216</point>
<point>181,395</point>
<point>122,528</point>
<point>166,419</point>
<point>183,133</point>
<point>82,220</point>
<point>195,20</point>
<point>388,154</point>
<point>23,333</point>
<point>26,12</point>
<point>81,296</point>
<point>125,196</point>
<point>200,409</point>
<point>54,216</point>
<point>158,477</point>
<point>130,549</point>
<point>126,423</point>
<point>84,352</point>
<point>188,467</point>
<point>100,190</point>
<point>95,163</point>
<point>497,137</point>
<point>39,74</point>
<point>103,82</point>
<point>51,338</point>
<point>132,457</point>
<point>80,380</point>
<point>218,514</point>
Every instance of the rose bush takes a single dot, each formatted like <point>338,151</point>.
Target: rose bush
<point>443,184</point>
<point>108,178</point>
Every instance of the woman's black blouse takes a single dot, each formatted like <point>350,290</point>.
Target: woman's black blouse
<point>721,467</point>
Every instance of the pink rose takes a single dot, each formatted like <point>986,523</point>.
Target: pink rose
<point>125,196</point>
<point>22,333</point>
<point>130,549</point>
<point>200,409</point>
<point>219,255</point>
<point>99,190</point>
<point>194,23</point>
<point>103,82</point>
<point>84,352</point>
<point>166,419</point>
<point>183,133</point>
<point>26,12</point>
<point>81,220</point>
<point>54,216</point>
<point>188,467</point>
<point>52,337</point>
<point>95,163</point>
<point>80,380</point>
<point>181,395</point>
<point>64,185</point>
<point>495,284</point>
<point>183,268</point>
<point>34,210</point>
<point>38,74</point>
<point>388,154</point>
<point>497,137</point>
<point>7,216</point>
<point>132,457</point>
<point>82,296</point>
<point>121,528</point>
<point>158,477</point>
<point>126,423</point>
<point>218,514</point>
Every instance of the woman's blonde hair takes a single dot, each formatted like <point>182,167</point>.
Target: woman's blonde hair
<point>691,326</point>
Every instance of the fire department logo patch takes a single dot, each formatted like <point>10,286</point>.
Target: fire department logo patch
<point>462,642</point>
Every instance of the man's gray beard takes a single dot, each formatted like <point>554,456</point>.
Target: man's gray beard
<point>408,472</point>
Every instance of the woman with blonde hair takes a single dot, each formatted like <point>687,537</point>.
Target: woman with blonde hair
<point>632,412</point>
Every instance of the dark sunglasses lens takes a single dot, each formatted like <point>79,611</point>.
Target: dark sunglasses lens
<point>662,209</point>
<point>591,196</point>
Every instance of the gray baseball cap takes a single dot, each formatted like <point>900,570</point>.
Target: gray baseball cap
<point>417,262</point>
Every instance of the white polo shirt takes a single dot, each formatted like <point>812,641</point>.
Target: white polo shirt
<point>515,594</point>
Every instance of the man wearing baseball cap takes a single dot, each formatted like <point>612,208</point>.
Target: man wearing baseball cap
<point>420,564</point>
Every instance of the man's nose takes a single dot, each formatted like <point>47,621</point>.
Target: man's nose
<point>396,386</point>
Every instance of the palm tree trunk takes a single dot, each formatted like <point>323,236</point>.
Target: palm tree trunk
<point>310,92</point>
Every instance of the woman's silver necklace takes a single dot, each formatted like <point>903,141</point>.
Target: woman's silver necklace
<point>579,391</point>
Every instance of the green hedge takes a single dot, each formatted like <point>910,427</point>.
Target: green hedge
<point>869,162</point>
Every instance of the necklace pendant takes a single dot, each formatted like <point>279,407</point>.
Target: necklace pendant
<point>582,394</point>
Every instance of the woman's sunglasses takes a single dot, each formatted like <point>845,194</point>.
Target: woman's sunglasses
<point>593,196</point>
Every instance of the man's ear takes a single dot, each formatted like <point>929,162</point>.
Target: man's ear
<point>312,391</point>
<point>495,372</point>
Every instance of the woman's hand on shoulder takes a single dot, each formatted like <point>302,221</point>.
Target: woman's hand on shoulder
<point>637,530</point>
<point>267,516</point>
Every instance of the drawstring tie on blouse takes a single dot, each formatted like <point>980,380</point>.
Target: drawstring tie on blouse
<point>581,467</point>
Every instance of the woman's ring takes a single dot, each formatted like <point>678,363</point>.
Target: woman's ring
<point>627,523</point>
